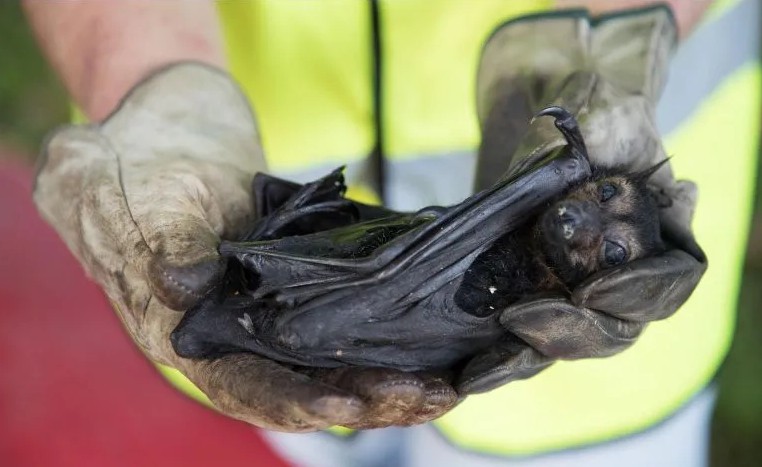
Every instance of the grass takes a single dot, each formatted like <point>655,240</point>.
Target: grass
<point>33,101</point>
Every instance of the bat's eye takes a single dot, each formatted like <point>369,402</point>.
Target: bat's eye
<point>606,191</point>
<point>613,253</point>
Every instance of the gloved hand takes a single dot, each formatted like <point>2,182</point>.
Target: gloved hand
<point>609,73</point>
<point>142,201</point>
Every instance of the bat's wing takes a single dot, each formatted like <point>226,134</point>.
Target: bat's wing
<point>315,264</point>
<point>285,208</point>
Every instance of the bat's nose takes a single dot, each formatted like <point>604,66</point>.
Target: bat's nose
<point>580,223</point>
<point>574,223</point>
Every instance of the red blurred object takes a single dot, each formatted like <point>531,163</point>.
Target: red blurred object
<point>74,390</point>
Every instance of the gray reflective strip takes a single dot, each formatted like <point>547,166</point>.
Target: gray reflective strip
<point>441,179</point>
<point>680,440</point>
<point>436,180</point>
<point>710,54</point>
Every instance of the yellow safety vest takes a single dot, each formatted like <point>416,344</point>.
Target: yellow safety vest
<point>310,71</point>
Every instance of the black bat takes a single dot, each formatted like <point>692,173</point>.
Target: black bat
<point>323,281</point>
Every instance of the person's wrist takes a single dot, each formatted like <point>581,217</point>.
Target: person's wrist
<point>687,14</point>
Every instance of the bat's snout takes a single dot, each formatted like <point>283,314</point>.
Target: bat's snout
<point>572,223</point>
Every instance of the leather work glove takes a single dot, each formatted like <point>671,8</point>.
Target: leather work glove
<point>609,73</point>
<point>143,199</point>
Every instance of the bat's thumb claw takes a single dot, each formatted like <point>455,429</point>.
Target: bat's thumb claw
<point>559,113</point>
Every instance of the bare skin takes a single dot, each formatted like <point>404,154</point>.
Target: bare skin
<point>102,49</point>
<point>688,13</point>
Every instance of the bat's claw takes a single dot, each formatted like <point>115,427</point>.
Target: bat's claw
<point>559,113</point>
<point>568,126</point>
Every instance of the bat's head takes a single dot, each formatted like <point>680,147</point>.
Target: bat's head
<point>605,221</point>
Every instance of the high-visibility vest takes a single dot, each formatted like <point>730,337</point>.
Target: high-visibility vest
<point>317,74</point>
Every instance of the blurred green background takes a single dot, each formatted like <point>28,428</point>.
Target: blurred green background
<point>32,101</point>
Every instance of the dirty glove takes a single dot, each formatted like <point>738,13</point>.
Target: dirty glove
<point>609,74</point>
<point>143,199</point>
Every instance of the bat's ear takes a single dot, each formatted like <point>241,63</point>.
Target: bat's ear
<point>660,197</point>
<point>644,175</point>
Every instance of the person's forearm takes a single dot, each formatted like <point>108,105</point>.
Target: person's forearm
<point>687,12</point>
<point>101,49</point>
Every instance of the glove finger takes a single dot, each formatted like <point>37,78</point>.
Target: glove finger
<point>184,204</point>
<point>185,264</point>
<point>633,51</point>
<point>439,398</point>
<point>518,69</point>
<point>390,395</point>
<point>510,361</point>
<point>182,263</point>
<point>168,114</point>
<point>558,329</point>
<point>544,47</point>
<point>655,287</point>
<point>198,203</point>
<point>676,218</point>
<point>269,395</point>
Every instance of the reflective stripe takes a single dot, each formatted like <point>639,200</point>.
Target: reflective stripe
<point>441,179</point>
<point>697,69</point>
<point>679,441</point>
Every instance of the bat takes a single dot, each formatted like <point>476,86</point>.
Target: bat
<point>323,281</point>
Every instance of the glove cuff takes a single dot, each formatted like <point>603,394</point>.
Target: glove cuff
<point>190,107</point>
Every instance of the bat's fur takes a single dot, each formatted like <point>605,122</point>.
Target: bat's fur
<point>602,222</point>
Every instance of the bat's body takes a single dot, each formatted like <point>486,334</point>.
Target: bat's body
<point>325,282</point>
